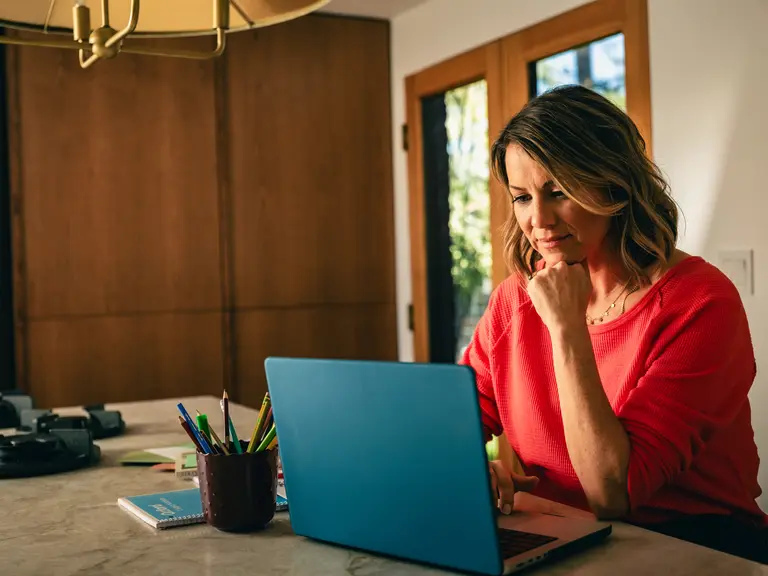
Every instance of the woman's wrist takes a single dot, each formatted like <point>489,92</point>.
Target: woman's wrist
<point>564,334</point>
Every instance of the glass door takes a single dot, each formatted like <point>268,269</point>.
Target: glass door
<point>456,210</point>
<point>457,215</point>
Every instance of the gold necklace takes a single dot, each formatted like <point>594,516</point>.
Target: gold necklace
<point>592,320</point>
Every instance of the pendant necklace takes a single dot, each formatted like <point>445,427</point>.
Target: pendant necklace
<point>599,319</point>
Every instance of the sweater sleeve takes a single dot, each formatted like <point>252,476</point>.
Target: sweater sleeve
<point>478,356</point>
<point>697,379</point>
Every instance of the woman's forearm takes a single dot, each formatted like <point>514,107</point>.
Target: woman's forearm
<point>597,442</point>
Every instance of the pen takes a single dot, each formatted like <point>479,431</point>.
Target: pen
<point>206,448</point>
<point>202,425</point>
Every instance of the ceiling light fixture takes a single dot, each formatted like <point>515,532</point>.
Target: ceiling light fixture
<point>150,19</point>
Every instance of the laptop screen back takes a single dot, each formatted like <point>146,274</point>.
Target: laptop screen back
<point>386,457</point>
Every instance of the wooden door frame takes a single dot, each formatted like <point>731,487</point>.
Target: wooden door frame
<point>579,26</point>
<point>480,63</point>
<point>504,65</point>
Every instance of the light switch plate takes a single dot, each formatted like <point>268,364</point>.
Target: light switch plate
<point>737,265</point>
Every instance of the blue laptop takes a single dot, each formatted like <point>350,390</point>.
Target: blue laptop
<point>389,458</point>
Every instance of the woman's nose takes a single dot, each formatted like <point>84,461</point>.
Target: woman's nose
<point>542,216</point>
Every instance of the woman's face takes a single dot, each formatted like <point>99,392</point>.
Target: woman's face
<point>557,227</point>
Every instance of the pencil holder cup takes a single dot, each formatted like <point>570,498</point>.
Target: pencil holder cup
<point>238,491</point>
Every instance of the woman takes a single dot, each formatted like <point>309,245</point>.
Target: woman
<point>617,365</point>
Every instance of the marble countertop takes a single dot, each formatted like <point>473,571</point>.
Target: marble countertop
<point>69,524</point>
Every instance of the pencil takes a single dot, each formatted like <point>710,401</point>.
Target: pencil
<point>189,433</point>
<point>225,399</point>
<point>232,432</point>
<point>267,439</point>
<point>206,448</point>
<point>218,440</point>
<point>267,423</point>
<point>272,444</point>
<point>262,413</point>
<point>210,435</point>
<point>235,439</point>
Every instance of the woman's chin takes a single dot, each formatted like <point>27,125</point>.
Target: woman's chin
<point>552,257</point>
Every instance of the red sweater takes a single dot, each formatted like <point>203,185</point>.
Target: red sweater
<point>676,369</point>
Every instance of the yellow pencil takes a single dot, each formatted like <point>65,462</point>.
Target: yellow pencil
<point>272,444</point>
<point>262,413</point>
<point>218,441</point>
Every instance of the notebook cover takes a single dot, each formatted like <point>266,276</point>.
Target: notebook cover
<point>176,508</point>
<point>166,509</point>
<point>281,500</point>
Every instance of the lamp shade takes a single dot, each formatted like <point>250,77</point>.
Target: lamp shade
<point>158,18</point>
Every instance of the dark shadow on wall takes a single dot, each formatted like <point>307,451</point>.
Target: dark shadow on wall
<point>7,366</point>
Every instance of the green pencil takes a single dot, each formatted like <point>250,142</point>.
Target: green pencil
<point>267,439</point>
<point>238,448</point>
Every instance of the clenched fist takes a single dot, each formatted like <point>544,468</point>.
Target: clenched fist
<point>560,295</point>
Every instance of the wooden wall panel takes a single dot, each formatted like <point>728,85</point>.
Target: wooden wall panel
<point>311,188</point>
<point>175,222</point>
<point>310,137</point>
<point>119,184</point>
<point>345,331</point>
<point>117,188</point>
<point>125,358</point>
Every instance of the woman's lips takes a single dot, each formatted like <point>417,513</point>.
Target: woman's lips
<point>552,241</point>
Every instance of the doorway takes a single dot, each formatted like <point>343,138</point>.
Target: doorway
<point>457,213</point>
<point>456,209</point>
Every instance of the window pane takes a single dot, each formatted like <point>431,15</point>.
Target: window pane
<point>598,65</point>
<point>467,129</point>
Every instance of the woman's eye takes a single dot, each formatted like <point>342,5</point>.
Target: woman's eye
<point>521,198</point>
<point>558,194</point>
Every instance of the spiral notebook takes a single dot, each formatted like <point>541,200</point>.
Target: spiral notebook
<point>176,508</point>
<point>166,509</point>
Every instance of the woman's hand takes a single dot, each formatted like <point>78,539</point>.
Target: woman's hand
<point>504,484</point>
<point>560,295</point>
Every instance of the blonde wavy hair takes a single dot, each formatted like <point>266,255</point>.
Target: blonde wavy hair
<point>596,155</point>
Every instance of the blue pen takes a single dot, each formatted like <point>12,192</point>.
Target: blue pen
<point>195,431</point>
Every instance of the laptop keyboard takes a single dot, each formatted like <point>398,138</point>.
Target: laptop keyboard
<point>514,542</point>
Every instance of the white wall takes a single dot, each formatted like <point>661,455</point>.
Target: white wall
<point>710,129</point>
<point>709,79</point>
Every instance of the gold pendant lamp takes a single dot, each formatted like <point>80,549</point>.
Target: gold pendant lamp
<point>142,19</point>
